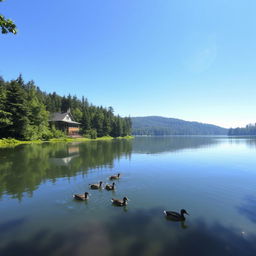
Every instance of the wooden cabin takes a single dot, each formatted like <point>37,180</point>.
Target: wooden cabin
<point>65,122</point>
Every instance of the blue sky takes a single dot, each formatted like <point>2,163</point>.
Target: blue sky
<point>193,60</point>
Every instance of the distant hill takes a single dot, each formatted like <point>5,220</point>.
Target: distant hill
<point>157,125</point>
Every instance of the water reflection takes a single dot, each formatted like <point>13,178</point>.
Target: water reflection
<point>72,151</point>
<point>11,225</point>
<point>137,233</point>
<point>209,183</point>
<point>25,167</point>
<point>152,145</point>
<point>247,140</point>
<point>182,223</point>
<point>248,208</point>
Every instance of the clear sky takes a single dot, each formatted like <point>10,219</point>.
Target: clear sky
<point>188,59</point>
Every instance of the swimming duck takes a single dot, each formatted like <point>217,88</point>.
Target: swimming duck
<point>175,215</point>
<point>82,197</point>
<point>96,186</point>
<point>119,202</point>
<point>114,177</point>
<point>110,187</point>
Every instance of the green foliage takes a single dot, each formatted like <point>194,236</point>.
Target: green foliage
<point>7,25</point>
<point>77,114</point>
<point>16,105</point>
<point>25,112</point>
<point>8,142</point>
<point>91,134</point>
<point>5,116</point>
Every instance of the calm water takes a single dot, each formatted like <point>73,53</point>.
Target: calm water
<point>213,178</point>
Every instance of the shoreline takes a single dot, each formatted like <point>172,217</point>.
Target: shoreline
<point>13,142</point>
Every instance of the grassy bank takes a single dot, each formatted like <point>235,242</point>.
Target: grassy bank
<point>14,142</point>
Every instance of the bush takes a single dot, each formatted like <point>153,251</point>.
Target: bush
<point>57,133</point>
<point>8,142</point>
<point>91,134</point>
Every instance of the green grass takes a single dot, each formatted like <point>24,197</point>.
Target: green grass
<point>13,142</point>
<point>126,137</point>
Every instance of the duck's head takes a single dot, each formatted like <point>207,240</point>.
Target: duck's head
<point>118,175</point>
<point>86,194</point>
<point>125,199</point>
<point>183,211</point>
<point>100,183</point>
<point>113,184</point>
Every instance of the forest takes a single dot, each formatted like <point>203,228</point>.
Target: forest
<point>25,111</point>
<point>250,129</point>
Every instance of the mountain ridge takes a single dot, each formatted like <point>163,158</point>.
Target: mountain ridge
<point>158,125</point>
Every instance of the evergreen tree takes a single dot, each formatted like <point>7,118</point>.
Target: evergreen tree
<point>17,106</point>
<point>85,121</point>
<point>5,115</point>
<point>25,111</point>
<point>97,123</point>
<point>37,115</point>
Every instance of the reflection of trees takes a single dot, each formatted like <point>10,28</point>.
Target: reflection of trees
<point>144,232</point>
<point>23,168</point>
<point>169,144</point>
<point>247,140</point>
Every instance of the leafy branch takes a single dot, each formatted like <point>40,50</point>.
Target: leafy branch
<point>7,25</point>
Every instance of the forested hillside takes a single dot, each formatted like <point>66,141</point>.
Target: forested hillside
<point>25,111</point>
<point>250,129</point>
<point>156,125</point>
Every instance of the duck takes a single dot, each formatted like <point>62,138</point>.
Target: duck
<point>115,177</point>
<point>175,215</point>
<point>82,197</point>
<point>110,187</point>
<point>96,186</point>
<point>119,202</point>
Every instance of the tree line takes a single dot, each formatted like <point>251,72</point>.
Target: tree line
<point>250,129</point>
<point>25,112</point>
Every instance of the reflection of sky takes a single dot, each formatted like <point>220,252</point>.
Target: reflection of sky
<point>135,233</point>
<point>211,183</point>
<point>248,208</point>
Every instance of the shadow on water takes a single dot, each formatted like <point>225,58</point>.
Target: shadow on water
<point>143,232</point>
<point>11,225</point>
<point>248,208</point>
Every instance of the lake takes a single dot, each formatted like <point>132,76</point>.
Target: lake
<point>213,178</point>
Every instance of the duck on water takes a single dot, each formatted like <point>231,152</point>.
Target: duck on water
<point>175,215</point>
<point>81,197</point>
<point>96,186</point>
<point>119,202</point>
<point>110,187</point>
<point>115,177</point>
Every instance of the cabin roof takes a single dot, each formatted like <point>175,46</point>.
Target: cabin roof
<point>63,117</point>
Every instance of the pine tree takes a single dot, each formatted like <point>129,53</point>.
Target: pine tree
<point>17,106</point>
<point>5,115</point>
